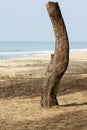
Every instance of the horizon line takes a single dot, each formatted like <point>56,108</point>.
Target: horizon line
<point>39,41</point>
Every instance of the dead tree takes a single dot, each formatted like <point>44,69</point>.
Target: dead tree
<point>59,60</point>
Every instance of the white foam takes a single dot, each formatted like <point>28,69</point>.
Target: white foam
<point>78,50</point>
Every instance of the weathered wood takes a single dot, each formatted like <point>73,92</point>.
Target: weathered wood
<point>59,60</point>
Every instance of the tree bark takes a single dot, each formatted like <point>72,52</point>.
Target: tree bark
<point>59,60</point>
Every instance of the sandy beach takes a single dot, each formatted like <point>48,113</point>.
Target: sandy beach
<point>20,91</point>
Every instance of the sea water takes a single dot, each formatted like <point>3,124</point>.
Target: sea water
<point>10,50</point>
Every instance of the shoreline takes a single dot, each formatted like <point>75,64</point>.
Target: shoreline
<point>73,55</point>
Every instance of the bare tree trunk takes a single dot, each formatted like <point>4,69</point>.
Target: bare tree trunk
<point>59,60</point>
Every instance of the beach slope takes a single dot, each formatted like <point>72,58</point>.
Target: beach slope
<point>20,95</point>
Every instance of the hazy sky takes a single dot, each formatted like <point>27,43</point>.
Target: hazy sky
<point>28,20</point>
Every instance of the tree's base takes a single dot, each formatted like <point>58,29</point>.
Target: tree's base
<point>47,103</point>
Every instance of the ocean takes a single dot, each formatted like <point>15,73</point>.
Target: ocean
<point>10,50</point>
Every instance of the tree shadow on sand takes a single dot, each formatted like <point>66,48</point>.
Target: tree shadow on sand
<point>73,104</point>
<point>20,87</point>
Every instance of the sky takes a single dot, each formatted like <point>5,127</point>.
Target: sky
<point>28,20</point>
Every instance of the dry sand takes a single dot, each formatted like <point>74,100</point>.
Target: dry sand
<point>20,90</point>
